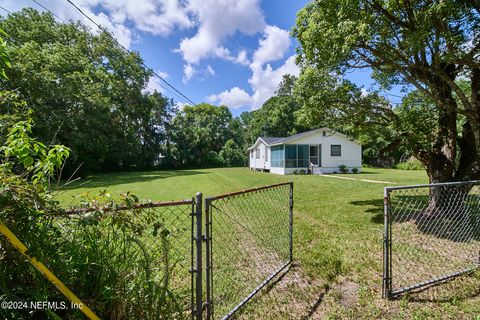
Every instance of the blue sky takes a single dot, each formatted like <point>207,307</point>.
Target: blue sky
<point>231,52</point>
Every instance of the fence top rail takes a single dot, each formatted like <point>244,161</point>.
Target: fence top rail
<point>148,205</point>
<point>428,185</point>
<point>232,194</point>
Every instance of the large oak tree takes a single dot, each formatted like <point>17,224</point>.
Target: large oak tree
<point>425,45</point>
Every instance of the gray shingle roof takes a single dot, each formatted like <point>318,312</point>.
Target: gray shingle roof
<point>272,140</point>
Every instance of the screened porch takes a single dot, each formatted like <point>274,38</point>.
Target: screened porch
<point>295,155</point>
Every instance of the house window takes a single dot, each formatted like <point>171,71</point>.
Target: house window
<point>277,156</point>
<point>257,153</point>
<point>266,153</point>
<point>291,156</point>
<point>251,154</point>
<point>336,150</point>
<point>302,156</point>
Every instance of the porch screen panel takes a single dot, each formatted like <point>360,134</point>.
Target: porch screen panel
<point>291,156</point>
<point>302,155</point>
<point>277,156</point>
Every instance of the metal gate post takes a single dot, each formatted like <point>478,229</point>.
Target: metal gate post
<point>291,222</point>
<point>208,258</point>
<point>198,258</point>
<point>387,277</point>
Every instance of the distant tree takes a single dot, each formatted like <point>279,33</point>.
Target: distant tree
<point>85,92</point>
<point>200,132</point>
<point>277,116</point>
<point>429,45</point>
<point>231,154</point>
<point>285,88</point>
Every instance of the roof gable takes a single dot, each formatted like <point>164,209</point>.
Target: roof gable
<point>270,141</point>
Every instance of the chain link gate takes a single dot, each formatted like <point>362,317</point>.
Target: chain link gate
<point>431,235</point>
<point>248,235</point>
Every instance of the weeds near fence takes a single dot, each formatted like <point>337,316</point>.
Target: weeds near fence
<point>124,260</point>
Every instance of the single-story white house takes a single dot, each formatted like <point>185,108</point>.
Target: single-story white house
<point>318,151</point>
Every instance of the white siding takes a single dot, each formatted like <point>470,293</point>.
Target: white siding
<point>263,163</point>
<point>351,151</point>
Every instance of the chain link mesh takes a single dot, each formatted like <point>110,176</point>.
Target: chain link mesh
<point>433,234</point>
<point>142,256</point>
<point>251,240</point>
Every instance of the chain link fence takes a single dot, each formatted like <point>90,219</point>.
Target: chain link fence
<point>431,234</point>
<point>123,262</point>
<point>249,242</point>
<point>155,260</point>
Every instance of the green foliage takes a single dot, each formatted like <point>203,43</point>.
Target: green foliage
<point>86,93</point>
<point>342,168</point>
<point>200,133</point>
<point>416,44</point>
<point>37,160</point>
<point>410,164</point>
<point>106,249</point>
<point>231,154</point>
<point>354,170</point>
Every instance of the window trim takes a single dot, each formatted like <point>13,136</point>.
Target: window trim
<point>257,153</point>
<point>339,150</point>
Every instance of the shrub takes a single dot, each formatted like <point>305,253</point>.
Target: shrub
<point>105,259</point>
<point>410,164</point>
<point>354,170</point>
<point>303,171</point>
<point>343,168</point>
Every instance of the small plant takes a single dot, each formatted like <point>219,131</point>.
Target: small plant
<point>303,171</point>
<point>354,170</point>
<point>410,164</point>
<point>295,171</point>
<point>343,168</point>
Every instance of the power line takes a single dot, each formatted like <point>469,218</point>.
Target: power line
<point>124,48</point>
<point>10,12</point>
<point>175,93</point>
<point>45,8</point>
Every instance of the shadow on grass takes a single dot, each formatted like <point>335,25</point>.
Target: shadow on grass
<point>374,206</point>
<point>109,179</point>
<point>461,288</point>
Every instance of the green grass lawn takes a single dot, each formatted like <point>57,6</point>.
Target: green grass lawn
<point>337,241</point>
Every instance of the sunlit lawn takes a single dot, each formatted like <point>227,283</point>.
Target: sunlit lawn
<point>337,232</point>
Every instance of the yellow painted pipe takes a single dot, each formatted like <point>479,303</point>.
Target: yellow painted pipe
<point>46,272</point>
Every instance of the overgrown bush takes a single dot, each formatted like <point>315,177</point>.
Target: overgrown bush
<point>410,164</point>
<point>342,168</point>
<point>101,257</point>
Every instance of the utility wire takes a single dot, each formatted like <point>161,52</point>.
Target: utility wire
<point>124,48</point>
<point>6,10</point>
<point>176,93</point>
<point>45,8</point>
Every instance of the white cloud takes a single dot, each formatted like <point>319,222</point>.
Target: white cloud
<point>218,20</point>
<point>242,58</point>
<point>264,79</point>
<point>273,46</point>
<point>158,17</point>
<point>154,83</point>
<point>234,98</point>
<point>188,72</point>
<point>210,70</point>
<point>181,105</point>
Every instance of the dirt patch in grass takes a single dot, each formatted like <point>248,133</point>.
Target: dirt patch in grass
<point>292,295</point>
